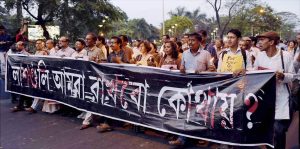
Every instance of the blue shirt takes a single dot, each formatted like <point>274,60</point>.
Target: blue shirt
<point>120,54</point>
<point>5,38</point>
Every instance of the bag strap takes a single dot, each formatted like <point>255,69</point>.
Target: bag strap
<point>244,58</point>
<point>282,64</point>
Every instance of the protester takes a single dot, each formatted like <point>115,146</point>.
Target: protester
<point>20,49</point>
<point>20,34</point>
<point>154,53</point>
<point>50,45</point>
<point>145,58</point>
<point>40,50</point>
<point>170,60</point>
<point>205,45</point>
<point>65,50</point>
<point>292,45</point>
<point>5,42</point>
<point>185,40</point>
<point>125,47</point>
<point>272,58</point>
<point>164,39</point>
<point>196,59</point>
<point>135,49</point>
<point>94,53</point>
<point>101,44</point>
<point>118,54</point>
<point>239,59</point>
<point>80,52</point>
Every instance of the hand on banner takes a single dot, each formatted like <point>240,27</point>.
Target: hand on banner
<point>212,68</point>
<point>279,75</point>
<point>182,69</point>
<point>239,72</point>
<point>117,60</point>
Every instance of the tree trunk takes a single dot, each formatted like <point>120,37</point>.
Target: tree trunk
<point>19,11</point>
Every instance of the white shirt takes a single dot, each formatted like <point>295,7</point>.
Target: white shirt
<point>80,54</point>
<point>65,52</point>
<point>274,63</point>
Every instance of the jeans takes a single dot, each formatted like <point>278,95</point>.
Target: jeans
<point>280,129</point>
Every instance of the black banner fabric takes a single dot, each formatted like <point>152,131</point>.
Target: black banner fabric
<point>212,106</point>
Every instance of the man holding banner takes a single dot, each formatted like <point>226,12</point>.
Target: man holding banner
<point>280,61</point>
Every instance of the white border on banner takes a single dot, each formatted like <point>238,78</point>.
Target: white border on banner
<point>159,129</point>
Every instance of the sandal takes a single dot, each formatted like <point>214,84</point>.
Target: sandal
<point>16,109</point>
<point>104,128</point>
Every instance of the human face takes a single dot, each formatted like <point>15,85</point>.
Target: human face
<point>168,49</point>
<point>114,45</point>
<point>63,42</point>
<point>98,42</point>
<point>143,48</point>
<point>194,44</point>
<point>232,40</point>
<point>165,39</point>
<point>218,43</point>
<point>243,45</point>
<point>49,44</point>
<point>89,41</point>
<point>264,43</point>
<point>19,46</point>
<point>78,46</point>
<point>39,45</point>
<point>185,39</point>
<point>291,44</point>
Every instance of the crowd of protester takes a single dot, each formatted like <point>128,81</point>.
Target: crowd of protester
<point>190,53</point>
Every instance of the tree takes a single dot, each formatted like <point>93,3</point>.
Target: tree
<point>179,25</point>
<point>135,28</point>
<point>216,5</point>
<point>199,20</point>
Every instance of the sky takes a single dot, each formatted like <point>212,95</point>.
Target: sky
<point>152,10</point>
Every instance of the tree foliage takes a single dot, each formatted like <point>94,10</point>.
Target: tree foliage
<point>135,28</point>
<point>179,25</point>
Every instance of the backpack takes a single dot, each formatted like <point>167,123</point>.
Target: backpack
<point>243,54</point>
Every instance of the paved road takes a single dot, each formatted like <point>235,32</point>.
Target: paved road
<point>53,131</point>
<point>49,131</point>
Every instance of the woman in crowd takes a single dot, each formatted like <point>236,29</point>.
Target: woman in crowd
<point>292,47</point>
<point>154,52</point>
<point>145,58</point>
<point>170,59</point>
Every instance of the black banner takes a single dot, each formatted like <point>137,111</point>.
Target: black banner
<point>209,106</point>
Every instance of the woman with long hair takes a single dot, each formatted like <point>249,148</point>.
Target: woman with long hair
<point>170,59</point>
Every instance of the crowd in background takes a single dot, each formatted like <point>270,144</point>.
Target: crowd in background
<point>189,53</point>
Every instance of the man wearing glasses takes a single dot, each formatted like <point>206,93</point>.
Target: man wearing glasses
<point>118,55</point>
<point>64,50</point>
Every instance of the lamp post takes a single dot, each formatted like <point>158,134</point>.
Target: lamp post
<point>163,11</point>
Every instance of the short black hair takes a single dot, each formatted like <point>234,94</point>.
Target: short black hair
<point>102,39</point>
<point>119,41</point>
<point>253,39</point>
<point>167,36</point>
<point>203,33</point>
<point>124,38</point>
<point>196,35</point>
<point>94,36</point>
<point>236,32</point>
<point>82,41</point>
